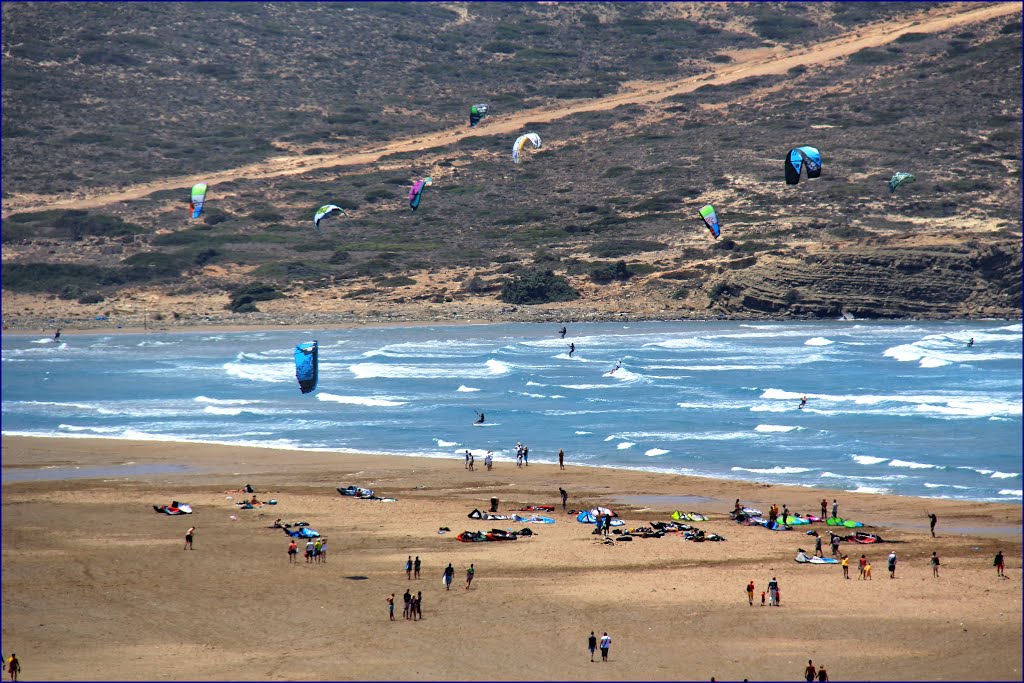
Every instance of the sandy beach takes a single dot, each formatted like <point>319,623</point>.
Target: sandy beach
<point>97,585</point>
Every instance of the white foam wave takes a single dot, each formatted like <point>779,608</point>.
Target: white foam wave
<point>586,387</point>
<point>625,444</point>
<point>1011,492</point>
<point>775,428</point>
<point>260,373</point>
<point>445,444</point>
<point>772,470</point>
<point>975,469</point>
<point>582,433</point>
<point>359,400</point>
<point>1005,475</point>
<point>624,375</point>
<point>870,489</point>
<point>656,451</point>
<point>531,383</point>
<point>963,405</point>
<point>611,438</point>
<point>867,459</point>
<point>491,368</point>
<point>224,401</point>
<point>464,389</point>
<point>93,430</point>
<point>929,362</point>
<point>818,341</point>
<point>156,343</point>
<point>913,465</point>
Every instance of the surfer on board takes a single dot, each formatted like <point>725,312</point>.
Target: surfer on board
<point>56,336</point>
<point>970,343</point>
<point>572,349</point>
<point>562,331</point>
<point>480,420</point>
<point>803,402</point>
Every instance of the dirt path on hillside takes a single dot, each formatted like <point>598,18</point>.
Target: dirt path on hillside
<point>747,64</point>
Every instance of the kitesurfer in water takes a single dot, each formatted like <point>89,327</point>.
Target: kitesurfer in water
<point>803,402</point>
<point>618,366</point>
<point>970,343</point>
<point>572,349</point>
<point>562,331</point>
<point>56,336</point>
<point>480,420</point>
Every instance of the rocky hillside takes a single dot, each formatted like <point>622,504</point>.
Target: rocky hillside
<point>609,203</point>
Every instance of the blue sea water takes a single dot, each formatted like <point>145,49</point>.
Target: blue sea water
<point>906,408</point>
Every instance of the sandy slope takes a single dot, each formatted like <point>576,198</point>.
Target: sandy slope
<point>97,586</point>
<point>746,64</point>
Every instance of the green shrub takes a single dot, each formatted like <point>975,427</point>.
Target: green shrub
<point>616,248</point>
<point>537,287</point>
<point>76,224</point>
<point>395,281</point>
<point>607,272</point>
<point>244,298</point>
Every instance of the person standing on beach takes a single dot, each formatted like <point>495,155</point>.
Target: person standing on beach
<point>469,575</point>
<point>592,645</point>
<point>892,565</point>
<point>561,459</point>
<point>449,574</point>
<point>935,564</point>
<point>773,592</point>
<point>188,538</point>
<point>824,508</point>
<point>467,459</point>
<point>810,673</point>
<point>292,550</point>
<point>391,607</point>
<point>419,604</point>
<point>817,544</point>
<point>488,460</point>
<point>835,507</point>
<point>822,674</point>
<point>406,603</point>
<point>863,563</point>
<point>408,569</point>
<point>309,551</point>
<point>317,545</point>
<point>931,523</point>
<point>867,571</point>
<point>563,494</point>
<point>762,598</point>
<point>416,568</point>
<point>414,607</point>
<point>606,642</point>
<point>835,544</point>
<point>323,550</point>
<point>526,455</point>
<point>13,667</point>
<point>750,592</point>
<point>998,564</point>
<point>846,566</point>
<point>471,459</point>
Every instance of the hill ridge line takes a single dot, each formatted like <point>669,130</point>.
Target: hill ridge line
<point>652,91</point>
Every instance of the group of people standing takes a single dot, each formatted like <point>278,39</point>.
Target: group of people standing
<point>412,606</point>
<point>772,593</point>
<point>316,551</point>
<point>471,460</point>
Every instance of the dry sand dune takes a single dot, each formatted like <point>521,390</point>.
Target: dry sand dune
<point>746,64</point>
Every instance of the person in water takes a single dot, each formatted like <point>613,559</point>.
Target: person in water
<point>572,349</point>
<point>56,335</point>
<point>618,365</point>
<point>563,331</point>
<point>970,343</point>
<point>480,420</point>
<point>803,402</point>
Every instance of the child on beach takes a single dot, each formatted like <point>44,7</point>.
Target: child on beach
<point>846,566</point>
<point>762,598</point>
<point>867,571</point>
<point>935,564</point>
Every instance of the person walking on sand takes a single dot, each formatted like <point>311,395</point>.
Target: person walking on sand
<point>835,544</point>
<point>13,667</point>
<point>416,568</point>
<point>998,564</point>
<point>762,598</point>
<point>935,564</point>
<point>933,519</point>
<point>773,592</point>
<point>467,459</point>
<point>561,459</point>
<point>892,565</point>
<point>846,566</point>
<point>408,569</point>
<point>822,674</point>
<point>606,642</point>
<point>867,571</point>
<point>292,550</point>
<point>750,592</point>
<point>564,495</point>
<point>489,460</point>
<point>188,538</point>
<point>817,545</point>
<point>391,607</point>
<point>810,673</point>
<point>592,645</point>
<point>449,574</point>
<point>835,507</point>
<point>469,575</point>
<point>471,460</point>
<point>862,564</point>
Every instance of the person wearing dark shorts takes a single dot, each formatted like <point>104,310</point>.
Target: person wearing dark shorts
<point>188,538</point>
<point>810,673</point>
<point>391,607</point>
<point>592,645</point>
<point>292,551</point>
<point>931,524</point>
<point>606,642</point>
<point>822,674</point>
<point>998,564</point>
